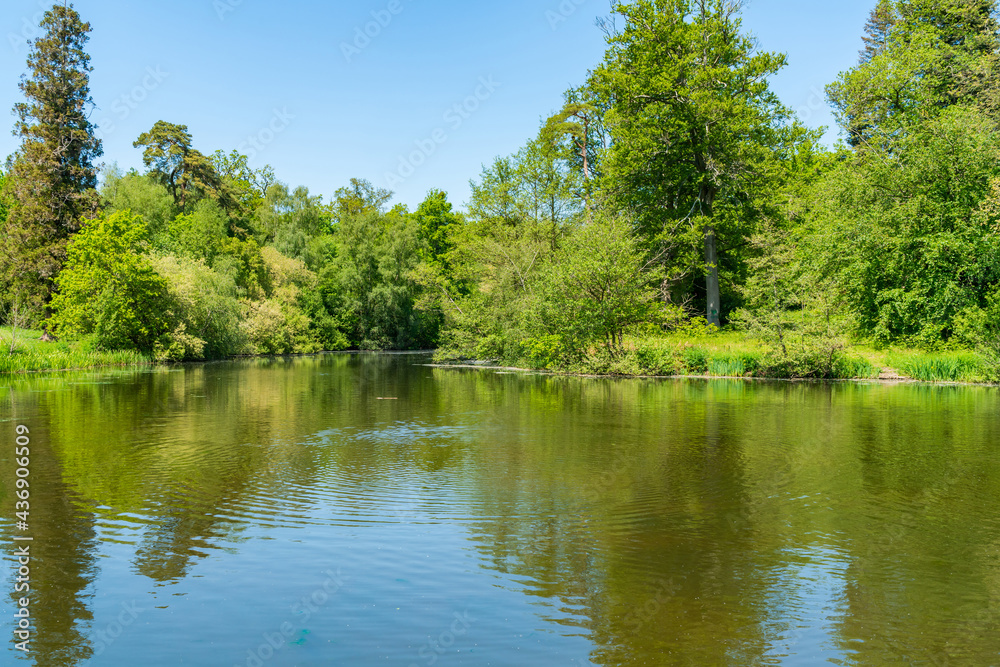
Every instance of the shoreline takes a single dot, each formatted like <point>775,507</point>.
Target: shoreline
<point>488,366</point>
<point>898,380</point>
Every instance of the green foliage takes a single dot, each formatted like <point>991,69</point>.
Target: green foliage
<point>278,324</point>
<point>696,360</point>
<point>538,186</point>
<point>737,364</point>
<point>142,195</point>
<point>200,234</point>
<point>436,221</point>
<point>109,288</point>
<point>358,198</point>
<point>295,223</point>
<point>655,359</point>
<point>244,261</point>
<point>186,172</point>
<point>247,186</point>
<point>32,355</point>
<point>4,202</point>
<point>597,286</point>
<point>693,124</point>
<point>913,239</point>
<point>372,277</point>
<point>205,308</point>
<point>921,58</point>
<point>938,367</point>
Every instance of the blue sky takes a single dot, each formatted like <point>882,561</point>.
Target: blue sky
<point>276,80</point>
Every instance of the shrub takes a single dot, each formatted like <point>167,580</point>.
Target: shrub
<point>109,288</point>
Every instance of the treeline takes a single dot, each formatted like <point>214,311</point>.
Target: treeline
<point>672,186</point>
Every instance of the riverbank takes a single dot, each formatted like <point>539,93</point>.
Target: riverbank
<point>725,354</point>
<point>731,354</point>
<point>28,354</point>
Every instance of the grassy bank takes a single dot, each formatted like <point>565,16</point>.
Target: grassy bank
<point>718,354</point>
<point>31,354</point>
<point>733,354</point>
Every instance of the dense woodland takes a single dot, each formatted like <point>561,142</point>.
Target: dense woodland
<point>672,192</point>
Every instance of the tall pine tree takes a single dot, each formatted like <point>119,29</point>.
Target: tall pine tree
<point>51,179</point>
<point>881,21</point>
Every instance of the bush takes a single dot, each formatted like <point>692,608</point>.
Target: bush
<point>205,308</point>
<point>655,360</point>
<point>109,288</point>
<point>695,360</point>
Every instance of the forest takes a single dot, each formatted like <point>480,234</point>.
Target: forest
<point>673,217</point>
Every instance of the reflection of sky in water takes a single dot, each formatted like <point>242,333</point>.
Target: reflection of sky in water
<point>807,599</point>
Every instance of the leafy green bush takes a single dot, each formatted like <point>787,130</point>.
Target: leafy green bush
<point>544,351</point>
<point>109,288</point>
<point>695,360</point>
<point>206,311</point>
<point>655,360</point>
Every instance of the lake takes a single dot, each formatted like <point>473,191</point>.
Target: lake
<point>364,509</point>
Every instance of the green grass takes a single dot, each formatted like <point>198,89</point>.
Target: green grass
<point>731,354</point>
<point>937,366</point>
<point>30,354</point>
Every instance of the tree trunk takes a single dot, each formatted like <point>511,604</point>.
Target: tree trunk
<point>712,296</point>
<point>712,277</point>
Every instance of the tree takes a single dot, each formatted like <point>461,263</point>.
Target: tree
<point>599,285</point>
<point>143,194</point>
<point>296,223</point>
<point>205,308</point>
<point>4,205</point>
<point>692,119</point>
<point>579,128</point>
<point>248,186</point>
<point>109,287</point>
<point>921,57</point>
<point>495,197</point>
<point>436,220</point>
<point>358,198</point>
<point>185,171</point>
<point>372,280</point>
<point>199,234</point>
<point>880,23</point>
<point>537,186</point>
<point>51,181</point>
<point>913,241</point>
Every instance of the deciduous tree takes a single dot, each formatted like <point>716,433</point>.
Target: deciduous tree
<point>692,120</point>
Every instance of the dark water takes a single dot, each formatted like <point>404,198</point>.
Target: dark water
<point>278,513</point>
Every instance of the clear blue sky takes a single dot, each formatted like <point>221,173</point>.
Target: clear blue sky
<point>234,69</point>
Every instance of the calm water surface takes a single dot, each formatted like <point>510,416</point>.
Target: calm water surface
<point>282,512</point>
